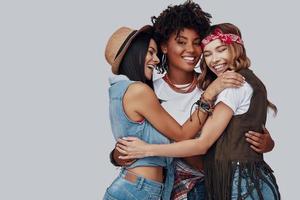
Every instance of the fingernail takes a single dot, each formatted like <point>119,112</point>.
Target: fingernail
<point>124,138</point>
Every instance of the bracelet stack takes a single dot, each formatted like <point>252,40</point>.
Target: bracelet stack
<point>205,105</point>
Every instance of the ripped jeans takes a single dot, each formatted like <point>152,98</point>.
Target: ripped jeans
<point>266,189</point>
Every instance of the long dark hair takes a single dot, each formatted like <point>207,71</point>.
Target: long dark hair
<point>133,62</point>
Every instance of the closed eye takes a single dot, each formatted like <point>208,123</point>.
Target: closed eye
<point>222,48</point>
<point>206,54</point>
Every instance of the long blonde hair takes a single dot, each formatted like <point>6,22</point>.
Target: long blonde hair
<point>239,58</point>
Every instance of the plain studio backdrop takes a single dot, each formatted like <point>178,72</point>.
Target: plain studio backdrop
<point>54,124</point>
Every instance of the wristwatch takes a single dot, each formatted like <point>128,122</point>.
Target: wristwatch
<point>204,106</point>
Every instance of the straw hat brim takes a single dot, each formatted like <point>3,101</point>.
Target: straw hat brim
<point>118,59</point>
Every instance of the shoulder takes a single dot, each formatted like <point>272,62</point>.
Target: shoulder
<point>235,97</point>
<point>237,92</point>
<point>138,90</point>
<point>140,95</point>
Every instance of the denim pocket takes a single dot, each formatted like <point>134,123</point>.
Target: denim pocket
<point>122,189</point>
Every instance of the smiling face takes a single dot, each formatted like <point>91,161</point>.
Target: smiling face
<point>218,56</point>
<point>183,50</point>
<point>151,59</point>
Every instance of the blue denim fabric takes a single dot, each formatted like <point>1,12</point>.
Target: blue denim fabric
<point>198,191</point>
<point>250,193</point>
<point>123,126</point>
<point>122,189</point>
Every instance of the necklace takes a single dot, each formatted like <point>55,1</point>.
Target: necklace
<point>186,88</point>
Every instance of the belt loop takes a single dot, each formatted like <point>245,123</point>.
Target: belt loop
<point>140,182</point>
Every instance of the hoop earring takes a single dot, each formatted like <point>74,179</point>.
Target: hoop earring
<point>164,63</point>
<point>197,68</point>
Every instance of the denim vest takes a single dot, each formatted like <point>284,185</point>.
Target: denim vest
<point>122,126</point>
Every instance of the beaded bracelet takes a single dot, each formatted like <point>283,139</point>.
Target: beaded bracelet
<point>205,106</point>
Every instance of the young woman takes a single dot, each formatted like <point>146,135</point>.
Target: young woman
<point>136,111</point>
<point>233,170</point>
<point>179,30</point>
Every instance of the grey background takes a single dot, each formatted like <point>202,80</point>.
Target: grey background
<point>54,125</point>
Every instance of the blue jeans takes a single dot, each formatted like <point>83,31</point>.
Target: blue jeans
<point>198,191</point>
<point>122,189</point>
<point>268,189</point>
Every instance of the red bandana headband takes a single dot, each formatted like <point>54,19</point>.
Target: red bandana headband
<point>227,38</point>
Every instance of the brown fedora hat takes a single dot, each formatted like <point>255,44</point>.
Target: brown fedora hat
<point>118,44</point>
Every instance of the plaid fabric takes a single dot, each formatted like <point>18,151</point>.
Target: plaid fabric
<point>185,179</point>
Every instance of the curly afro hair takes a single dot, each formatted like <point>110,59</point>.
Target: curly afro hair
<point>176,18</point>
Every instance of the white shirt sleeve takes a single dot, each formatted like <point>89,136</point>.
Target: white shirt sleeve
<point>238,99</point>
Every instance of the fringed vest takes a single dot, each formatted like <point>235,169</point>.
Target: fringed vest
<point>232,150</point>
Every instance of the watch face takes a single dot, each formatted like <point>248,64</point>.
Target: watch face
<point>205,106</point>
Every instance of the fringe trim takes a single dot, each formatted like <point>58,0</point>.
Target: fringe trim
<point>219,178</point>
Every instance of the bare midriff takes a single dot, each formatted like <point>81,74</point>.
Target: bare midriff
<point>152,173</point>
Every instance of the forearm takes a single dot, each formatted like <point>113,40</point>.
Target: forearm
<point>193,125</point>
<point>212,130</point>
<point>133,147</point>
<point>200,115</point>
<point>180,149</point>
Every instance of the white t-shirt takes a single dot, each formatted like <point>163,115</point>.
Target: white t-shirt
<point>178,105</point>
<point>238,99</point>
